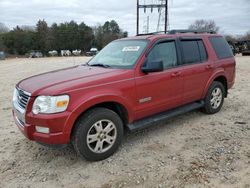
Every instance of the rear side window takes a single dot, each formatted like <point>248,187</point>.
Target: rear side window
<point>193,51</point>
<point>221,47</point>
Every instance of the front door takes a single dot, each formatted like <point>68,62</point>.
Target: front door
<point>160,91</point>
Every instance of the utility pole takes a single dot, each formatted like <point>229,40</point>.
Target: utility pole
<point>161,4</point>
<point>166,16</point>
<point>137,22</point>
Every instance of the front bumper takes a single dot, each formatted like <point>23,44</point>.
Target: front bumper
<point>55,122</point>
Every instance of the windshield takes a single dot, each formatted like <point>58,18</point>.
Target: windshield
<point>119,54</point>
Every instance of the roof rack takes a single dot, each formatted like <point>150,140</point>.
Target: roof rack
<point>190,31</point>
<point>175,31</point>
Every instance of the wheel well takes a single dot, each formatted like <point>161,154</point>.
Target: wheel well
<point>223,80</point>
<point>114,106</point>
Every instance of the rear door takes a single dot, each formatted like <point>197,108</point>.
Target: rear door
<point>160,91</point>
<point>196,68</point>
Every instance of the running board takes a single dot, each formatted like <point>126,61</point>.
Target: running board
<point>146,122</point>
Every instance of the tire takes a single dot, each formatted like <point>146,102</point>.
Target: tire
<point>217,92</point>
<point>97,134</point>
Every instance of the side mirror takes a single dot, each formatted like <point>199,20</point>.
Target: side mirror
<point>152,66</point>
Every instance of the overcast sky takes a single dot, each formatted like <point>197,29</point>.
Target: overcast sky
<point>232,16</point>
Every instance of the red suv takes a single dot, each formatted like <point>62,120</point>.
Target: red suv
<point>131,83</point>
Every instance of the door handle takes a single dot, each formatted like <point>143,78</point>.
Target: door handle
<point>175,74</point>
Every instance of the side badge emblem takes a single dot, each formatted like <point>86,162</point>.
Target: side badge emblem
<point>145,99</point>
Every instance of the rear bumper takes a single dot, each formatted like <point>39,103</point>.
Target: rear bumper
<point>55,123</point>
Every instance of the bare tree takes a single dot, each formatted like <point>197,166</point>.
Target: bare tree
<point>231,38</point>
<point>206,25</point>
<point>3,28</point>
<point>246,36</point>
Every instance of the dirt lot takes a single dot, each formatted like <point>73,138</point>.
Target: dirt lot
<point>192,150</point>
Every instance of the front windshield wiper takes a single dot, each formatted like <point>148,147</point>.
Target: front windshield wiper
<point>99,65</point>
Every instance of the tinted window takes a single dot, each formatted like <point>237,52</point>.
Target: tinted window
<point>221,47</point>
<point>165,51</point>
<point>190,52</point>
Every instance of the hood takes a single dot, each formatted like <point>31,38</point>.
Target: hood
<point>66,79</point>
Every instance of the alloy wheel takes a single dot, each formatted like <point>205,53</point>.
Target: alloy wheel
<point>216,98</point>
<point>101,136</point>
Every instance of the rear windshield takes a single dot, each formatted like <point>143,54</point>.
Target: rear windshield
<point>221,47</point>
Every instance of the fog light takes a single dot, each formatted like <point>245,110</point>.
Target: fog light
<point>42,129</point>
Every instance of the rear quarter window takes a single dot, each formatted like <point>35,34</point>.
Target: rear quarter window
<point>221,47</point>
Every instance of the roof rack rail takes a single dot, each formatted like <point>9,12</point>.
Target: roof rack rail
<point>190,31</point>
<point>153,33</point>
<point>175,31</point>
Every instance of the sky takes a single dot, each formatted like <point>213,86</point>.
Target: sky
<point>233,17</point>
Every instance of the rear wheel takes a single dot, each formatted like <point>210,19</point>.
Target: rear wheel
<point>214,98</point>
<point>98,134</point>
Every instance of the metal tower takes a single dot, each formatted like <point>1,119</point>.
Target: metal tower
<point>161,5</point>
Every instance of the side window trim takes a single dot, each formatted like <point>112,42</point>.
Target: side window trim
<point>202,42</point>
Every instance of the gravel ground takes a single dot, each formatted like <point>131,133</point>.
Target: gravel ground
<point>191,150</point>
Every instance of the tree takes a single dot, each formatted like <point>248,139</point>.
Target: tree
<point>2,45</point>
<point>28,28</point>
<point>19,41</point>
<point>41,36</point>
<point>52,38</point>
<point>114,27</point>
<point>125,34</point>
<point>98,37</point>
<point>3,28</point>
<point>246,36</point>
<point>230,38</point>
<point>110,31</point>
<point>86,37</point>
<point>68,35</point>
<point>206,25</point>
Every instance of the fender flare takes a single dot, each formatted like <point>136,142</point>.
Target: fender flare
<point>212,78</point>
<point>92,101</point>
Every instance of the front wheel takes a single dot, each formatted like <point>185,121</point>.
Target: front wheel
<point>98,134</point>
<point>214,98</point>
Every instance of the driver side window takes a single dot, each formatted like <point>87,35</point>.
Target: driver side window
<point>165,51</point>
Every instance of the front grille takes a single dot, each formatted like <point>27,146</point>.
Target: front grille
<point>22,98</point>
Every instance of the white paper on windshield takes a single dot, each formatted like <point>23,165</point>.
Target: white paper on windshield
<point>131,49</point>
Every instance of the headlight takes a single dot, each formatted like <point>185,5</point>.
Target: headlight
<point>50,104</point>
<point>14,95</point>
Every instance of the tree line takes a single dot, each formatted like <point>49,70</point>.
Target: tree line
<point>72,36</point>
<point>63,36</point>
